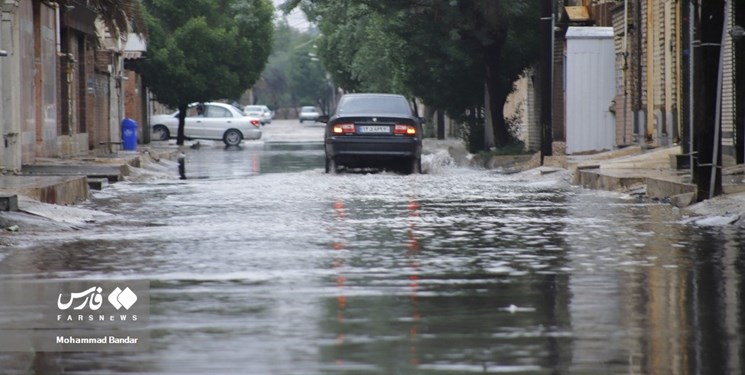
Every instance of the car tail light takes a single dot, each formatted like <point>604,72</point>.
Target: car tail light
<point>402,129</point>
<point>255,123</point>
<point>343,128</point>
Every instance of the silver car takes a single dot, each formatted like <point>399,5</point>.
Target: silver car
<point>261,111</point>
<point>216,121</point>
<point>308,113</point>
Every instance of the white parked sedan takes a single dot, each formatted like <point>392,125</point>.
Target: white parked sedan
<point>208,121</point>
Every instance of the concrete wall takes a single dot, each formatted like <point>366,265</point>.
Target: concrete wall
<point>99,130</point>
<point>87,88</point>
<point>624,99</point>
<point>522,107</point>
<point>26,107</point>
<point>71,139</point>
<point>10,116</point>
<point>46,81</point>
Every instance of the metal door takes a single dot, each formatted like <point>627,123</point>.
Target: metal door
<point>590,89</point>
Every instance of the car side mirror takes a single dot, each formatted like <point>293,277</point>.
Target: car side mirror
<point>323,118</point>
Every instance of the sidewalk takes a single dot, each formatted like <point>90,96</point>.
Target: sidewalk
<point>68,181</point>
<point>651,173</point>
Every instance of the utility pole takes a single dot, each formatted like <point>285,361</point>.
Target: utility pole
<point>546,76</point>
<point>706,46</point>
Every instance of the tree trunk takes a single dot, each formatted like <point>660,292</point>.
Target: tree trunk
<point>496,94</point>
<point>181,123</point>
<point>488,127</point>
<point>440,124</point>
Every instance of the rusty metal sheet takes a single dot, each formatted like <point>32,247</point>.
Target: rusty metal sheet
<point>577,13</point>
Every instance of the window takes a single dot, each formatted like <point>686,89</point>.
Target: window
<point>375,104</point>
<point>215,111</point>
<point>191,111</point>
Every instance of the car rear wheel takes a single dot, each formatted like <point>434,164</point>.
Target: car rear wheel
<point>331,166</point>
<point>160,133</point>
<point>232,137</point>
<point>415,165</point>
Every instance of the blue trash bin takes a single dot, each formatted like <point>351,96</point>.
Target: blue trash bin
<point>129,134</point>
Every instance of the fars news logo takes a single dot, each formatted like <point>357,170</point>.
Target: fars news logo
<point>92,297</point>
<point>80,306</point>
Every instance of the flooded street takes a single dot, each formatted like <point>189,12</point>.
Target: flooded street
<point>260,263</point>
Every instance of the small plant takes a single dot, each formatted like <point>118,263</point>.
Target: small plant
<point>471,130</point>
<point>516,148</point>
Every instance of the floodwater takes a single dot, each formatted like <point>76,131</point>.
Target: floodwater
<point>260,263</point>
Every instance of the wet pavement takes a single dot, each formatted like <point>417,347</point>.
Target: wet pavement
<point>260,263</point>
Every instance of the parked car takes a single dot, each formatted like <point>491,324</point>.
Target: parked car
<point>373,130</point>
<point>261,111</point>
<point>308,113</point>
<point>208,121</point>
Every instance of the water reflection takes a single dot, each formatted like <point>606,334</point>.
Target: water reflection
<point>412,251</point>
<point>215,162</point>
<point>416,303</point>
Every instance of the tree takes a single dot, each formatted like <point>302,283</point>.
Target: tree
<point>358,52</point>
<point>469,43</point>
<point>121,15</point>
<point>203,50</point>
<point>294,76</point>
<point>446,52</point>
<point>273,89</point>
<point>308,82</point>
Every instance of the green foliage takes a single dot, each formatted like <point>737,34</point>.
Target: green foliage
<point>121,16</point>
<point>201,50</point>
<point>308,83</point>
<point>294,75</point>
<point>516,148</point>
<point>443,51</point>
<point>357,50</point>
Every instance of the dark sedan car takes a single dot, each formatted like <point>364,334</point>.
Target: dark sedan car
<point>373,131</point>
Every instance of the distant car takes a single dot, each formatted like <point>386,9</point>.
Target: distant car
<point>261,111</point>
<point>308,113</point>
<point>373,130</point>
<point>208,121</point>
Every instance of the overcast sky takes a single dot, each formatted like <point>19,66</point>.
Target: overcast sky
<point>296,19</point>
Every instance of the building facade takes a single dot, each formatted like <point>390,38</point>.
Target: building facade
<point>61,78</point>
<point>655,48</point>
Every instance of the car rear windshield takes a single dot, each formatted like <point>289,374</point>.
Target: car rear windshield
<point>374,104</point>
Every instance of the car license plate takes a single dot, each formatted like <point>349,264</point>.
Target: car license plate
<point>373,129</point>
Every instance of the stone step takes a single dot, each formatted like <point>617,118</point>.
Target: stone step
<point>48,189</point>
<point>8,202</point>
<point>113,173</point>
<point>97,183</point>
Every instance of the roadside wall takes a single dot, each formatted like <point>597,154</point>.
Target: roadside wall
<point>10,95</point>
